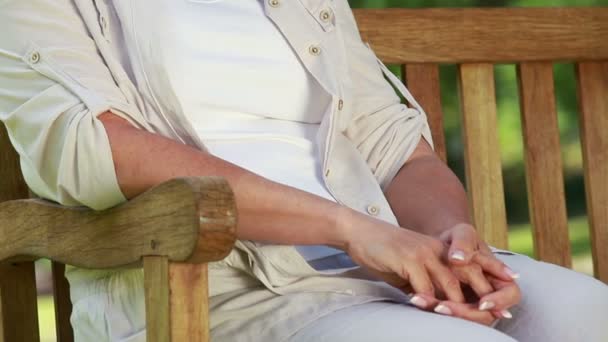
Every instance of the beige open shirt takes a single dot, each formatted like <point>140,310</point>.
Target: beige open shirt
<point>62,63</point>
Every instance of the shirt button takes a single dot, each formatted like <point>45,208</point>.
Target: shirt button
<point>35,57</point>
<point>373,210</point>
<point>274,3</point>
<point>314,50</point>
<point>325,15</point>
<point>340,104</point>
<point>326,172</point>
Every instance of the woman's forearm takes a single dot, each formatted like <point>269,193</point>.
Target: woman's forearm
<point>426,196</point>
<point>268,211</point>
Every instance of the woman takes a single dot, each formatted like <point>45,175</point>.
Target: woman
<point>350,228</point>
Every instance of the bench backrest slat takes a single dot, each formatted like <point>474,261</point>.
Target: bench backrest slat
<point>593,98</point>
<point>482,152</point>
<point>423,83</point>
<point>544,174</point>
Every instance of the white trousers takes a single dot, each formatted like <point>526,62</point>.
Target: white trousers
<point>558,305</point>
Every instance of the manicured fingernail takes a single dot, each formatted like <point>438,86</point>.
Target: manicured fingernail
<point>486,305</point>
<point>511,274</point>
<point>457,255</point>
<point>442,309</point>
<point>419,301</point>
<point>506,314</point>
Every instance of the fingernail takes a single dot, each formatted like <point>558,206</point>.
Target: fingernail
<point>457,255</point>
<point>442,309</point>
<point>419,301</point>
<point>511,274</point>
<point>486,305</point>
<point>506,314</point>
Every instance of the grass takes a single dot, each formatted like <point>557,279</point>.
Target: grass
<point>520,241</point>
<point>46,318</point>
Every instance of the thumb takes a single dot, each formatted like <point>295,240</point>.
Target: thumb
<point>463,244</point>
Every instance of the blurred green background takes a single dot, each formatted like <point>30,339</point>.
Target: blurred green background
<point>520,239</point>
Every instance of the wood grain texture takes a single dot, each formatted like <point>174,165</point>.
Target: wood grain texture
<point>544,174</point>
<point>18,307</point>
<point>156,286</point>
<point>189,301</point>
<point>593,99</point>
<point>495,35</point>
<point>63,304</point>
<point>482,152</point>
<point>19,310</point>
<point>423,82</point>
<point>12,185</point>
<point>188,219</point>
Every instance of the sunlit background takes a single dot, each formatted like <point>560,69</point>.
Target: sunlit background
<point>520,239</point>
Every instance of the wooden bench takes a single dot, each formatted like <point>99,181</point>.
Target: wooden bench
<point>174,229</point>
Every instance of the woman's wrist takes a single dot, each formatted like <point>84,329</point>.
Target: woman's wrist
<point>343,223</point>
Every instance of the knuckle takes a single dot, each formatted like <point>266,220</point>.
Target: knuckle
<point>422,253</point>
<point>451,283</point>
<point>403,272</point>
<point>435,246</point>
<point>475,269</point>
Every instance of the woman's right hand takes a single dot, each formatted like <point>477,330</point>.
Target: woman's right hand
<point>401,257</point>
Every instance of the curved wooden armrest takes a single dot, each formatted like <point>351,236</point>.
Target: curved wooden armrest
<point>185,219</point>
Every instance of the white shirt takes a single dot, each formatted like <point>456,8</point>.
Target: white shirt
<point>246,93</point>
<point>63,65</point>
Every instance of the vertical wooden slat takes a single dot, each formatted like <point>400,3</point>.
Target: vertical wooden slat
<point>12,185</point>
<point>593,99</point>
<point>423,82</point>
<point>18,307</point>
<point>18,300</point>
<point>63,304</point>
<point>177,303</point>
<point>156,286</point>
<point>482,152</point>
<point>544,174</point>
<point>189,302</point>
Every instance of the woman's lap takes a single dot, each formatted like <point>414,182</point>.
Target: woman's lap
<point>558,305</point>
<point>392,322</point>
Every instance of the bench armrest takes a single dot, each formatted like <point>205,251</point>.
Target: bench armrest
<point>185,219</point>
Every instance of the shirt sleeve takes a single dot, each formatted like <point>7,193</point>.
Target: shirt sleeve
<point>384,130</point>
<point>53,85</point>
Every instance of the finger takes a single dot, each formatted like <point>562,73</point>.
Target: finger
<point>419,279</point>
<point>463,245</point>
<point>465,311</point>
<point>423,301</point>
<point>446,281</point>
<point>475,278</point>
<point>502,314</point>
<point>491,265</point>
<point>506,296</point>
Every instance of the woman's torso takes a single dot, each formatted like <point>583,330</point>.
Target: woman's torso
<point>246,93</point>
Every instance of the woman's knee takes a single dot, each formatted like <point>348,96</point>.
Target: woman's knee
<point>558,304</point>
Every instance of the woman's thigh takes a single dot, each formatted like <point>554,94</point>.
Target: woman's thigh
<point>557,304</point>
<point>392,322</point>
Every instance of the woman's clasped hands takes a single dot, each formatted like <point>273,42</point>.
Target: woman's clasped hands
<point>454,274</point>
